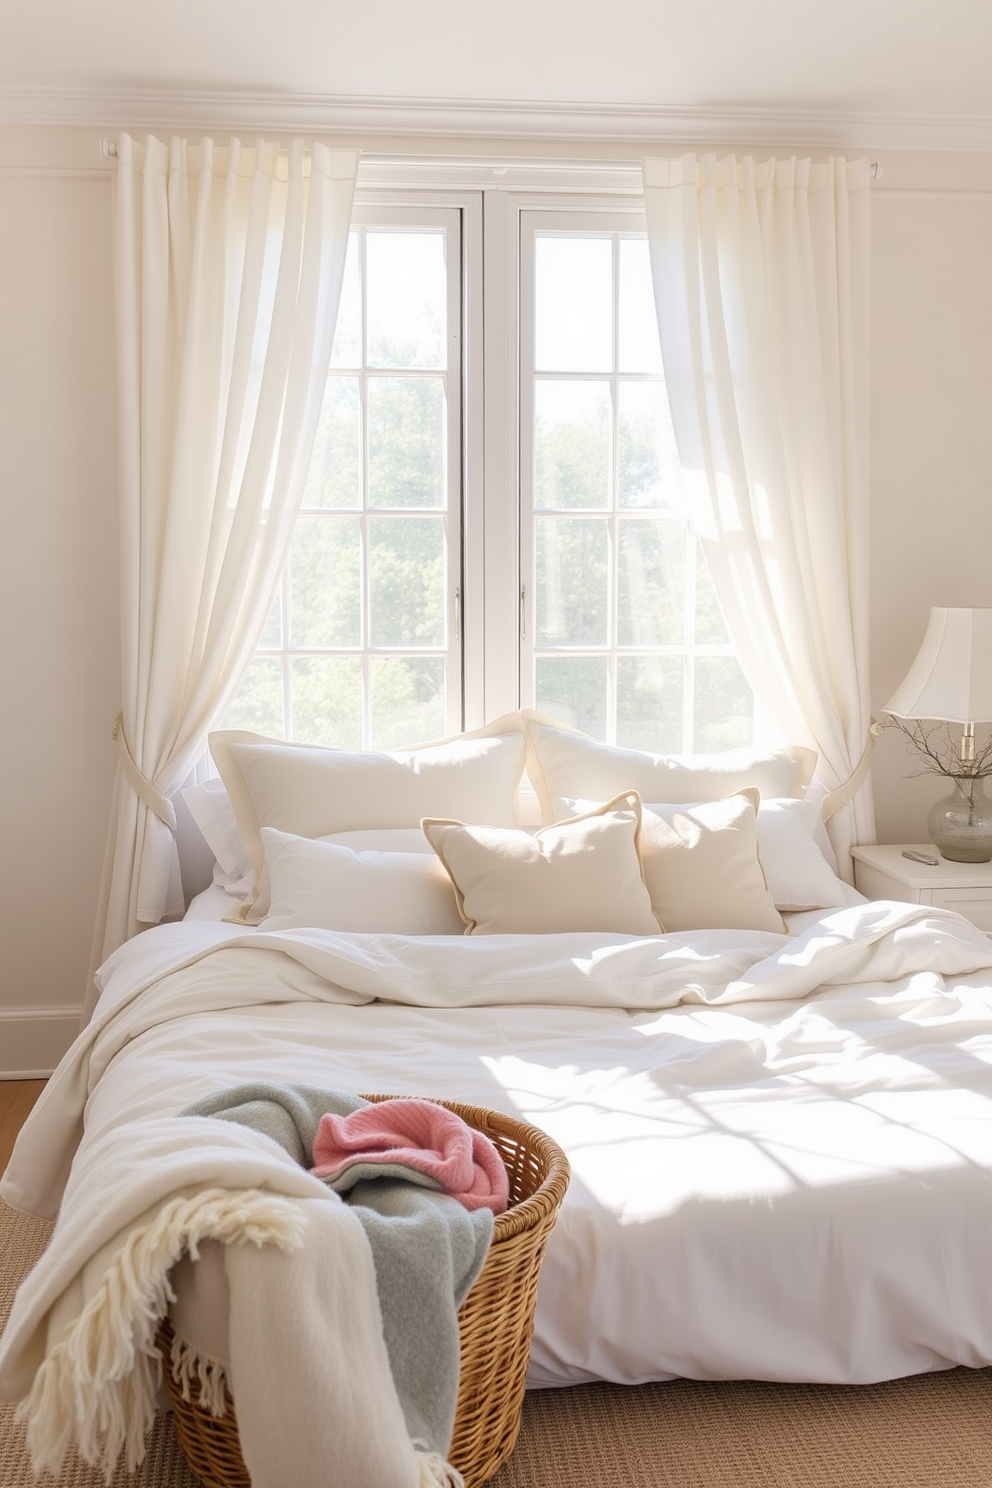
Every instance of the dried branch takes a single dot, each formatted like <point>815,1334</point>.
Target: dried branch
<point>939,750</point>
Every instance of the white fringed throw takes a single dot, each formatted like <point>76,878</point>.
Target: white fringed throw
<point>316,1400</point>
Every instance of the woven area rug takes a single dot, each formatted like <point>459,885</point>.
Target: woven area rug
<point>933,1431</point>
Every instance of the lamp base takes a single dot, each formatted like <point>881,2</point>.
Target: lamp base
<point>961,824</point>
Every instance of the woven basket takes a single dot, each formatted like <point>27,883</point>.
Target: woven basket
<point>495,1321</point>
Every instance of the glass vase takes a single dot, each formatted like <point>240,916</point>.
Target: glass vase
<point>961,824</point>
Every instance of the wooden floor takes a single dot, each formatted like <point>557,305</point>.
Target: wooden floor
<point>16,1099</point>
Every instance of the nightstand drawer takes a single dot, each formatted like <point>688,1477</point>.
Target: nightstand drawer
<point>972,903</point>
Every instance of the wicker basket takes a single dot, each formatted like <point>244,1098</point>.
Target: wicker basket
<point>495,1321</point>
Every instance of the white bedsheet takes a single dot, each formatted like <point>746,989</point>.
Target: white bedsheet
<point>781,1148</point>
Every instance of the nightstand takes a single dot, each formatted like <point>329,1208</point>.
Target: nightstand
<point>883,873</point>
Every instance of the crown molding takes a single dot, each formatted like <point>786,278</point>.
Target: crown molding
<point>488,118</point>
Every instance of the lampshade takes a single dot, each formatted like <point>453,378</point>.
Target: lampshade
<point>951,678</point>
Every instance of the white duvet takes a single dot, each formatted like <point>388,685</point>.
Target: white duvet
<point>781,1147</point>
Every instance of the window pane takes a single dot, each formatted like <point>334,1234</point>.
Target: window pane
<point>651,583</point>
<point>572,581</point>
<point>572,444</point>
<point>639,348</point>
<point>347,348</point>
<point>724,711</point>
<point>271,637</point>
<point>648,464</point>
<point>408,696</point>
<point>406,577</point>
<point>711,629</point>
<point>327,701</point>
<point>325,582</point>
<point>572,690</point>
<point>258,705</point>
<point>334,477</point>
<point>407,296</point>
<point>406,441</point>
<point>650,692</point>
<point>573,304</point>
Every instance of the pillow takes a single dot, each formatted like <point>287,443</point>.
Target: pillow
<point>211,809</point>
<point>563,763</point>
<point>309,791</point>
<point>796,872</point>
<point>582,874</point>
<point>702,869</point>
<point>799,876</point>
<point>330,887</point>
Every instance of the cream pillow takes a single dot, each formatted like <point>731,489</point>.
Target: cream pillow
<point>563,763</point>
<point>702,869</point>
<point>329,887</point>
<point>309,791</point>
<point>581,874</point>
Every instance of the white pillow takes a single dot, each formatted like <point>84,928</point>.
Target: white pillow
<point>330,887</point>
<point>582,874</point>
<point>563,764</point>
<point>702,868</point>
<point>309,791</point>
<point>211,809</point>
<point>798,874</point>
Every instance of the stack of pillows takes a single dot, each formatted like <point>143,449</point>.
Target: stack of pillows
<point>428,841</point>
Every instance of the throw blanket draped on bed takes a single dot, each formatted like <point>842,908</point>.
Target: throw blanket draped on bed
<point>80,1342</point>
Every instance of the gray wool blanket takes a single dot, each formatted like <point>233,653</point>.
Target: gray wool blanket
<point>427,1248</point>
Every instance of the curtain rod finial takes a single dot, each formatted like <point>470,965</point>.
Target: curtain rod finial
<point>108,149</point>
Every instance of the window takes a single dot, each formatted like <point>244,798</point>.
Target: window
<point>493,516</point>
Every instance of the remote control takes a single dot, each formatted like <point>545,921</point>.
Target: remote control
<point>922,857</point>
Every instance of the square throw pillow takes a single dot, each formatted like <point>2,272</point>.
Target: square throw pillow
<point>326,886</point>
<point>581,874</point>
<point>702,868</point>
<point>310,791</point>
<point>563,763</point>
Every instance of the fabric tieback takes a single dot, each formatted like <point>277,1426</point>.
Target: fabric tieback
<point>152,797</point>
<point>835,799</point>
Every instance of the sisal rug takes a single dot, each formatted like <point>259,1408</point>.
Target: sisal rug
<point>931,1431</point>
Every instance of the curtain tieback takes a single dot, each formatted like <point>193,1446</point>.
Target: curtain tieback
<point>153,798</point>
<point>835,799</point>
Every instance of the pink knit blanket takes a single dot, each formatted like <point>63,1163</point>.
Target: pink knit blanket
<point>414,1134</point>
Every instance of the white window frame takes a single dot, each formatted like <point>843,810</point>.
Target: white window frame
<point>485,600</point>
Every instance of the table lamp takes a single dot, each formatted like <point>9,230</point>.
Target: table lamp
<point>951,681</point>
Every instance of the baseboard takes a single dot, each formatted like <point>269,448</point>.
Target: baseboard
<point>33,1040</point>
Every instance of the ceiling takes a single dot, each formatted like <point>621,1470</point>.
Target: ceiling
<point>916,73</point>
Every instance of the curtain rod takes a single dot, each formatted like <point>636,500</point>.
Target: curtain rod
<point>108,150</point>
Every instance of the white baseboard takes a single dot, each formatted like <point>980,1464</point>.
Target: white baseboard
<point>33,1040</point>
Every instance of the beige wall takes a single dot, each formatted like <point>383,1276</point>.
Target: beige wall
<point>59,662</point>
<point>931,517</point>
<point>931,432</point>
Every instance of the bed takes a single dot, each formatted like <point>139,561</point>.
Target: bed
<point>774,1095</point>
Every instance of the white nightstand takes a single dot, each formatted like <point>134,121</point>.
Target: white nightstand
<point>883,873</point>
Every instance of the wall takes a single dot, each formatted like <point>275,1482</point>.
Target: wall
<point>59,664</point>
<point>931,516</point>
<point>931,432</point>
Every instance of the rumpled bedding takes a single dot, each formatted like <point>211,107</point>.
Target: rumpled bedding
<point>781,1147</point>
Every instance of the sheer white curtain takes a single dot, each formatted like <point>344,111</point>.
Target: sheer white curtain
<point>229,264</point>
<point>761,286</point>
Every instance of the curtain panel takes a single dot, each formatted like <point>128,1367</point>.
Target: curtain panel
<point>229,263</point>
<point>761,275</point>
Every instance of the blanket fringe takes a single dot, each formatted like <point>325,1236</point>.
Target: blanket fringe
<point>193,1370</point>
<point>101,1379</point>
<point>435,1472</point>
